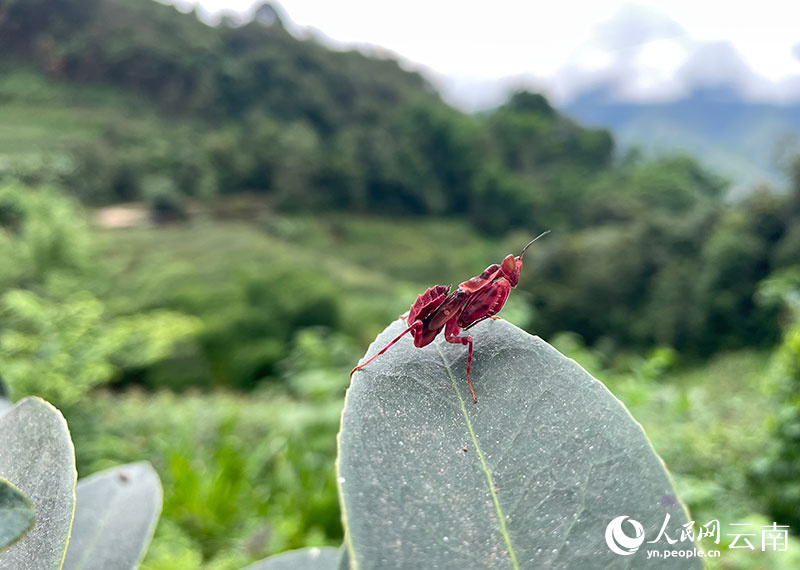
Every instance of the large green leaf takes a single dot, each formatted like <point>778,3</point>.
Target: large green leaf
<point>115,516</point>
<point>36,455</point>
<point>529,477</point>
<point>304,559</point>
<point>17,514</point>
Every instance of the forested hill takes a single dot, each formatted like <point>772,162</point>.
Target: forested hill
<point>252,108</point>
<point>187,66</point>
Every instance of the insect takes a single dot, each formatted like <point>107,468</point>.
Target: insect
<point>475,300</point>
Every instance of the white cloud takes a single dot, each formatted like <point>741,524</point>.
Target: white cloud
<point>646,49</point>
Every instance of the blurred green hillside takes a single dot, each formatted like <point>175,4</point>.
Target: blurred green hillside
<point>278,203</point>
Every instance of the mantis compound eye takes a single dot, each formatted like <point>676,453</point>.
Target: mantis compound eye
<point>509,266</point>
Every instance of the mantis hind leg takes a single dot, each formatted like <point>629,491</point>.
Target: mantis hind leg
<point>451,336</point>
<point>414,325</point>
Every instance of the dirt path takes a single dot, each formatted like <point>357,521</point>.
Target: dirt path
<point>122,216</point>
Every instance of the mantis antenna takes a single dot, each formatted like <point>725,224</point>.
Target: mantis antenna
<point>524,249</point>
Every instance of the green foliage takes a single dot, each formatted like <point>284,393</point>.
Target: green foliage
<point>657,364</point>
<point>708,425</point>
<point>733,263</point>
<point>247,333</point>
<point>41,234</point>
<point>251,294</point>
<point>311,130</point>
<point>202,76</point>
<point>777,471</point>
<point>252,108</point>
<point>166,203</point>
<point>314,369</point>
<point>502,200</point>
<point>546,163</point>
<point>527,102</point>
<point>437,158</point>
<point>161,165</point>
<point>61,349</point>
<point>536,141</point>
<point>44,346</point>
<point>691,279</point>
<point>782,289</point>
<point>605,269</point>
<point>57,339</point>
<point>244,476</point>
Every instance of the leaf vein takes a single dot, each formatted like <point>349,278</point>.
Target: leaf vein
<point>499,511</point>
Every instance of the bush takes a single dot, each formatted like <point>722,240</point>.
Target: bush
<point>43,234</point>
<point>244,476</point>
<point>776,475</point>
<point>61,349</point>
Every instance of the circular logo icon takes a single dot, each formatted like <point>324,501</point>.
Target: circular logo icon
<point>620,542</point>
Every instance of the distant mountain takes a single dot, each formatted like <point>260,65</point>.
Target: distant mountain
<point>745,141</point>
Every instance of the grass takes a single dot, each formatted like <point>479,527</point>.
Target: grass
<point>379,266</point>
<point>41,116</point>
<point>244,476</point>
<point>709,423</point>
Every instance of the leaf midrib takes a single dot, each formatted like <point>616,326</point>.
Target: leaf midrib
<point>484,466</point>
<point>91,543</point>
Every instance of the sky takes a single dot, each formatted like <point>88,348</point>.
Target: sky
<point>643,50</point>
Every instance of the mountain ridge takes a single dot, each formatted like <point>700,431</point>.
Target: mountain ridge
<point>748,141</point>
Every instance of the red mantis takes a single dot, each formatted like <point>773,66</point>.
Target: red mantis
<point>475,300</point>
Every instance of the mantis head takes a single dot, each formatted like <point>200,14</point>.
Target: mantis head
<point>512,265</point>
